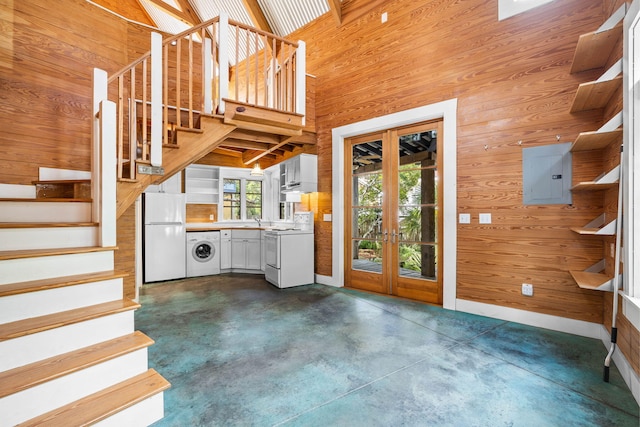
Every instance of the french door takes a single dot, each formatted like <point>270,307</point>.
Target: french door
<point>393,220</point>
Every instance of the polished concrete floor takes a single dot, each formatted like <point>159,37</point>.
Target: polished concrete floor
<point>241,352</point>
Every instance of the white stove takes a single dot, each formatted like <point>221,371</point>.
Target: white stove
<point>289,253</point>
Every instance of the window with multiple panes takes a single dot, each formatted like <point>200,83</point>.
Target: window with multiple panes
<point>242,199</point>
<point>253,197</point>
<point>231,199</point>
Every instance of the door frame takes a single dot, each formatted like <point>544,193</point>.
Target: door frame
<point>445,110</point>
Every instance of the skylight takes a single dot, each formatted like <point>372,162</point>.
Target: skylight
<point>508,8</point>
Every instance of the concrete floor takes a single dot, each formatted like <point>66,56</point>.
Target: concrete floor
<point>241,352</point>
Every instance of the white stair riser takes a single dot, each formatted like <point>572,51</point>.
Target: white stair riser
<point>17,211</point>
<point>33,304</point>
<point>26,269</point>
<point>31,348</point>
<point>12,239</point>
<point>143,413</point>
<point>22,406</point>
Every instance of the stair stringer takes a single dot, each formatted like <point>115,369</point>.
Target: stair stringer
<point>191,147</point>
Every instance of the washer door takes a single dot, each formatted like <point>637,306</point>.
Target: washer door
<point>203,251</point>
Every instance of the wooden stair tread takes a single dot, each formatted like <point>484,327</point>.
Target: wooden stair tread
<point>33,374</point>
<point>63,181</point>
<point>58,282</point>
<point>50,321</point>
<point>47,200</point>
<point>127,180</point>
<point>32,253</point>
<point>46,224</point>
<point>101,405</point>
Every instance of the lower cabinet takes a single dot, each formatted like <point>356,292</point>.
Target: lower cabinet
<point>246,250</point>
<point>225,249</point>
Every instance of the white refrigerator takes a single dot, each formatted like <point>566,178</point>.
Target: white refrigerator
<point>164,236</point>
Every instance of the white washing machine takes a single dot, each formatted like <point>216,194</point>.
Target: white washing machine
<point>203,253</point>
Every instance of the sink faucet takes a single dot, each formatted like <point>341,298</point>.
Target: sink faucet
<point>258,220</point>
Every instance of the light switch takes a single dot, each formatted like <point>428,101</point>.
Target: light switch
<point>485,218</point>
<point>464,218</point>
<point>326,217</point>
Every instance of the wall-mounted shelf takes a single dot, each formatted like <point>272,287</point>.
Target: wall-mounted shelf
<point>596,140</point>
<point>604,181</point>
<point>594,48</point>
<point>597,227</point>
<point>593,278</point>
<point>595,95</point>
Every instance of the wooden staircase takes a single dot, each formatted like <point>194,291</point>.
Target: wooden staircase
<point>69,354</point>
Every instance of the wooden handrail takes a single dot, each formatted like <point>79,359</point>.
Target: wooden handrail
<point>262,67</point>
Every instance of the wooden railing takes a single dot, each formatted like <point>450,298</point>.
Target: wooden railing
<point>193,73</point>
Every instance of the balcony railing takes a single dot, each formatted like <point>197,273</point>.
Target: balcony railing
<point>192,74</point>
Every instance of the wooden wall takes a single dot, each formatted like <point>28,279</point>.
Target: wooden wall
<point>512,82</point>
<point>46,64</point>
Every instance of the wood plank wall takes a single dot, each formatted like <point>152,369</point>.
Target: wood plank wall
<point>512,82</point>
<point>45,82</point>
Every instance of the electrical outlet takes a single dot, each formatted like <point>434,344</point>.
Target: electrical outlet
<point>464,218</point>
<point>527,289</point>
<point>211,217</point>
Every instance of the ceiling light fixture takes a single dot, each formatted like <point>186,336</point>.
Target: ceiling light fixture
<point>257,171</point>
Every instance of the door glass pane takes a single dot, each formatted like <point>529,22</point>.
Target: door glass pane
<point>417,205</point>
<point>417,260</point>
<point>367,255</point>
<point>366,206</point>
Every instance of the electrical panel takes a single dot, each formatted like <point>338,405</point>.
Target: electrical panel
<point>546,174</point>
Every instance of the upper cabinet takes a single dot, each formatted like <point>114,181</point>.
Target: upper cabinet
<point>299,173</point>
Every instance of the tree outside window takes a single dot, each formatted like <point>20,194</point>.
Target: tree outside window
<point>231,201</point>
<point>253,191</point>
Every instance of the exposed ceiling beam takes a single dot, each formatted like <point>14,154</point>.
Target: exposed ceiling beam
<point>248,135</point>
<point>186,8</point>
<point>257,16</point>
<point>245,145</point>
<point>178,14</point>
<point>227,152</point>
<point>336,10</point>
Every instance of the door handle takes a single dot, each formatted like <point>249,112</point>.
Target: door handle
<point>385,236</point>
<point>393,236</point>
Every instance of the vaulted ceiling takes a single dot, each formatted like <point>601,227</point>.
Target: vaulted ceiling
<point>280,17</point>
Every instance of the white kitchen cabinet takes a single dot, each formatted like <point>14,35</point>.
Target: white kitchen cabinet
<point>246,250</point>
<point>299,173</point>
<point>225,249</point>
<point>202,184</point>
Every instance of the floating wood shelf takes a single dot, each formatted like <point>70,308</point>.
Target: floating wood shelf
<point>597,227</point>
<point>596,140</point>
<point>593,281</point>
<point>595,95</point>
<point>594,48</point>
<point>604,181</point>
<point>593,278</point>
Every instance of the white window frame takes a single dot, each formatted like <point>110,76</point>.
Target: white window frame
<point>631,166</point>
<point>243,175</point>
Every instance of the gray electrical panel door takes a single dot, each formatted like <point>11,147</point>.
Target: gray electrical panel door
<point>546,174</point>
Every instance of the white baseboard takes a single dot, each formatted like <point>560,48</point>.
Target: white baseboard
<point>17,191</point>
<point>628,374</point>
<point>327,280</point>
<point>555,323</point>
